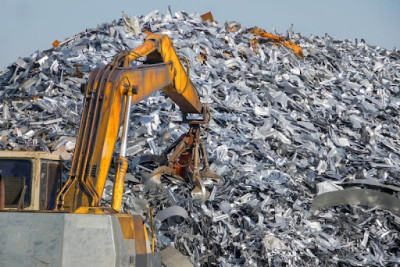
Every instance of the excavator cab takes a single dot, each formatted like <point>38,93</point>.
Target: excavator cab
<point>29,180</point>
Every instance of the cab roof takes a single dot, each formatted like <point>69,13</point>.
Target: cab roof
<point>28,154</point>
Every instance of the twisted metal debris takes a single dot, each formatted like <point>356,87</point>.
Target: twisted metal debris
<point>281,124</point>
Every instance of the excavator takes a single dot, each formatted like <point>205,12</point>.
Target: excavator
<point>45,223</point>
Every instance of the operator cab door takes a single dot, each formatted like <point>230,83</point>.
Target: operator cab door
<point>50,184</point>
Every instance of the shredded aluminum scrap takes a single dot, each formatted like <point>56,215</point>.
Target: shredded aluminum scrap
<point>281,125</point>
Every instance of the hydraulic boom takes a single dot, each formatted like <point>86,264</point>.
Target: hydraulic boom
<point>110,92</point>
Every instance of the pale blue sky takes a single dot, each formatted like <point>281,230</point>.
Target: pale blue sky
<point>29,25</point>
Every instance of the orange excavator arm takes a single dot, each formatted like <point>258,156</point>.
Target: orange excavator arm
<point>159,48</point>
<point>110,92</point>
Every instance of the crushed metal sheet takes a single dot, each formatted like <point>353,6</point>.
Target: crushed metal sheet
<point>364,197</point>
<point>373,183</point>
<point>170,212</point>
<point>172,257</point>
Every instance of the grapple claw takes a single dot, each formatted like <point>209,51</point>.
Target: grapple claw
<point>154,178</point>
<point>187,155</point>
<point>207,173</point>
<point>199,192</point>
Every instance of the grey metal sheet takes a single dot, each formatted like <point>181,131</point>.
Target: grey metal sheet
<point>364,197</point>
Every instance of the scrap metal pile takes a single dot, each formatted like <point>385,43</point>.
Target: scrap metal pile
<point>284,129</point>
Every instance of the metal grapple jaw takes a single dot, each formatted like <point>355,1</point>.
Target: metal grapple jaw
<point>187,160</point>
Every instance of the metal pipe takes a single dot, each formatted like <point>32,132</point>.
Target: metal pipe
<point>125,127</point>
<point>121,162</point>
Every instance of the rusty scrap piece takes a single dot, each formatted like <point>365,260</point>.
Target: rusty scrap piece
<point>203,56</point>
<point>56,43</point>
<point>207,16</point>
<point>279,40</point>
<point>254,45</point>
<point>260,32</point>
<point>233,29</point>
<point>79,74</point>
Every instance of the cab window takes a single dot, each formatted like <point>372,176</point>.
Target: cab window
<point>17,175</point>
